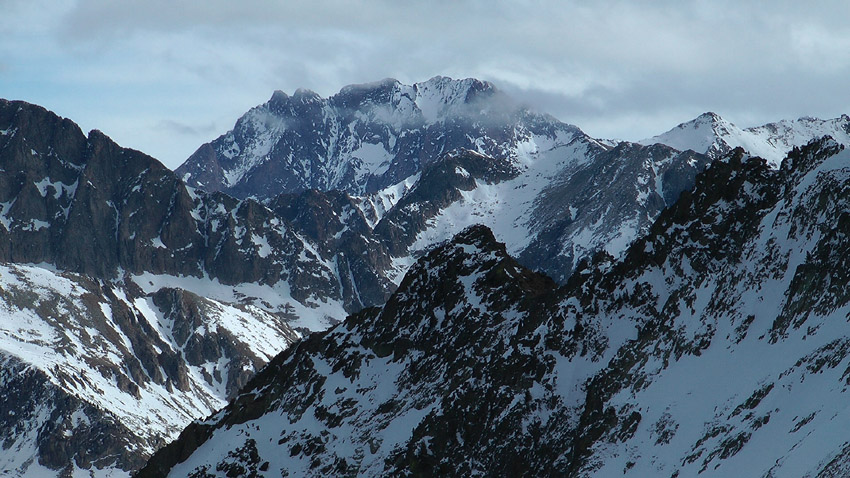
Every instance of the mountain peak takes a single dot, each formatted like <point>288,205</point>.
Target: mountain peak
<point>448,91</point>
<point>481,237</point>
<point>304,94</point>
<point>371,85</point>
<point>713,135</point>
<point>707,116</point>
<point>801,161</point>
<point>278,96</point>
<point>447,81</point>
<point>710,120</point>
<point>366,137</point>
<point>699,134</point>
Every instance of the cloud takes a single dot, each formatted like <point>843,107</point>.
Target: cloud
<point>172,126</point>
<point>614,68</point>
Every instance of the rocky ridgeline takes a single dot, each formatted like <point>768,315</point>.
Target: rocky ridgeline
<point>363,139</point>
<point>713,135</point>
<point>626,369</point>
<point>86,205</point>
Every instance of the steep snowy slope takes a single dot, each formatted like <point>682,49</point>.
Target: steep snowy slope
<point>716,347</point>
<point>366,137</point>
<point>99,375</point>
<point>559,206</point>
<point>139,300</point>
<point>712,135</point>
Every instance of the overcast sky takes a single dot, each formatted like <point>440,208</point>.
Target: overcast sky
<point>165,76</point>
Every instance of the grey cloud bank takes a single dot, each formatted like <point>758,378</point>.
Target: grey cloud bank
<point>615,69</point>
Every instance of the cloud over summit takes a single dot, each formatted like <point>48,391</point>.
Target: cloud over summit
<point>614,68</point>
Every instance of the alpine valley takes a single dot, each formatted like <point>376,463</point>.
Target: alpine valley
<point>425,279</point>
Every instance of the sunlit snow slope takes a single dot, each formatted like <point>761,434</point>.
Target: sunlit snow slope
<point>710,134</point>
<point>715,347</point>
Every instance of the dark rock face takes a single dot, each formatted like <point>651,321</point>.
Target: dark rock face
<point>67,431</point>
<point>75,207</point>
<point>478,366</point>
<point>336,223</point>
<point>362,139</point>
<point>95,208</point>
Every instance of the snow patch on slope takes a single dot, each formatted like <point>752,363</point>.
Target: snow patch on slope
<point>314,317</point>
<point>505,207</point>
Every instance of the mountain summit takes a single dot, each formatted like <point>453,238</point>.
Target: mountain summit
<point>713,135</point>
<point>364,138</point>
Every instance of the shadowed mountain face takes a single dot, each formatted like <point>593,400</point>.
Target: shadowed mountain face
<point>98,245</point>
<point>364,138</point>
<point>477,366</point>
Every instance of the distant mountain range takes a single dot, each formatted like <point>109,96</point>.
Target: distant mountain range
<point>560,194</point>
<point>366,137</point>
<point>712,135</point>
<point>134,299</point>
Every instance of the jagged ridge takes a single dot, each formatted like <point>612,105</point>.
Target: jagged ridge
<point>624,370</point>
<point>715,136</point>
<point>365,138</point>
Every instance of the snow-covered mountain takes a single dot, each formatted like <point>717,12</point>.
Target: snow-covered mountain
<point>126,293</point>
<point>79,213</point>
<point>551,199</point>
<point>715,347</point>
<point>366,137</point>
<point>712,135</point>
<point>559,207</point>
<point>95,376</point>
<point>136,303</point>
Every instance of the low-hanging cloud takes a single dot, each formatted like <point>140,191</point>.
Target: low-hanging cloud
<point>614,68</point>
